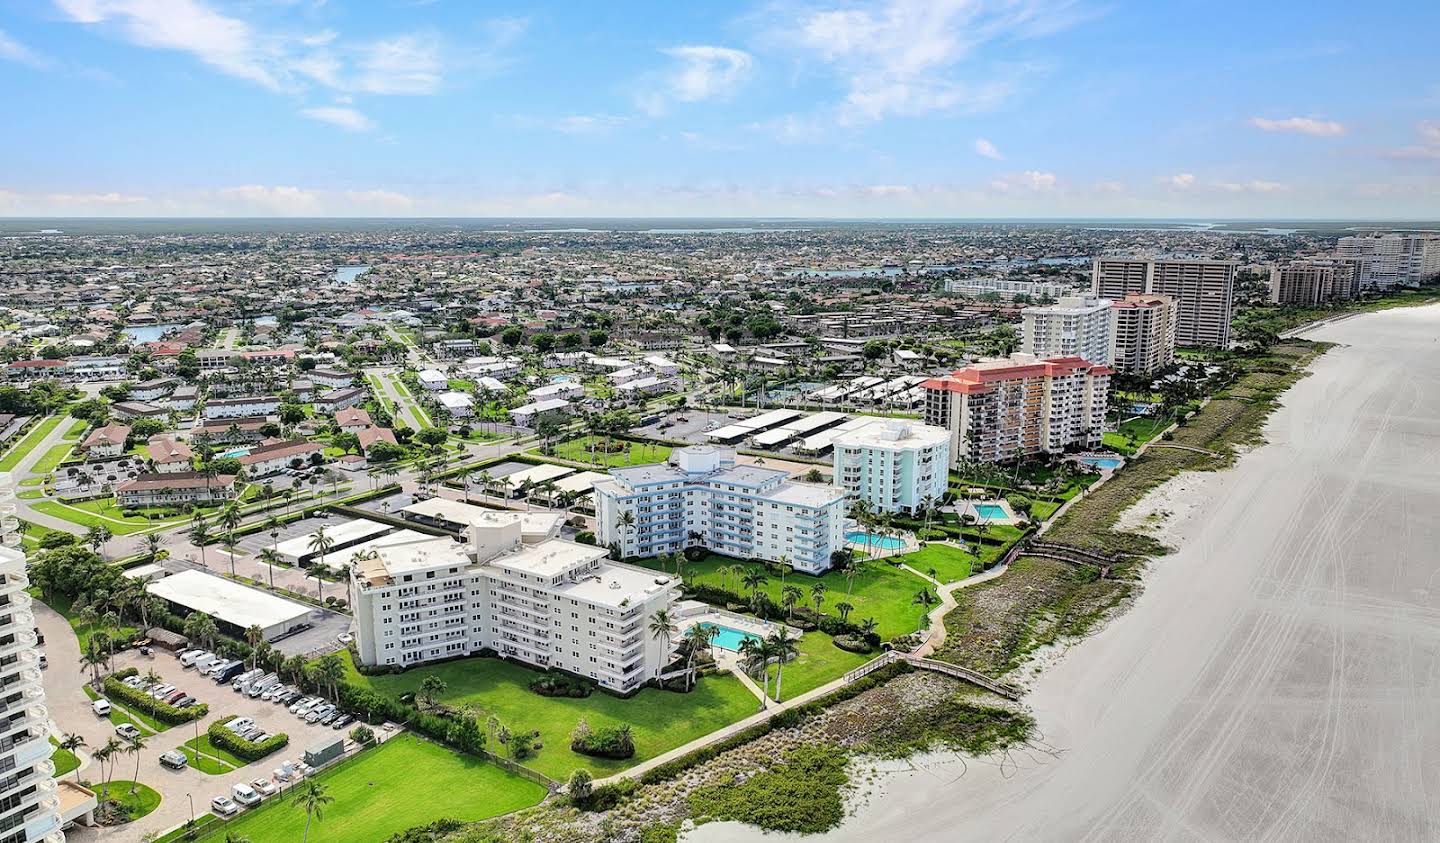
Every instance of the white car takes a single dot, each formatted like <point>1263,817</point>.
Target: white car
<point>246,795</point>
<point>224,806</point>
<point>265,787</point>
<point>128,731</point>
<point>304,705</point>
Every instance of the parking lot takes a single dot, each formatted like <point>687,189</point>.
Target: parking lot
<point>693,430</point>
<point>179,787</point>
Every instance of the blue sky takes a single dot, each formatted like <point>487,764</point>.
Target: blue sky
<point>892,108</point>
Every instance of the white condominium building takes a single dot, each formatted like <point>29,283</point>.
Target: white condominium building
<point>999,409</point>
<point>895,466</point>
<point>1204,292</point>
<point>1392,260</point>
<point>1142,334</point>
<point>1311,282</point>
<point>544,601</point>
<point>1075,326</point>
<point>702,497</point>
<point>30,800</point>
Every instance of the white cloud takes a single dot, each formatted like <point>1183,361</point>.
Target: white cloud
<point>1427,150</point>
<point>1035,181</point>
<point>700,72</point>
<point>281,199</point>
<point>408,64</point>
<point>12,50</point>
<point>339,115</point>
<point>986,149</point>
<point>907,57</point>
<point>1253,186</point>
<point>1182,181</point>
<point>1300,125</point>
<point>226,43</point>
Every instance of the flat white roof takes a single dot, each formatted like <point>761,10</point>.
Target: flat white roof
<point>432,375</point>
<point>341,558</point>
<point>582,482</point>
<point>349,531</point>
<point>228,601</point>
<point>729,432</point>
<point>805,494</point>
<point>825,438</point>
<point>539,474</point>
<point>765,421</point>
<point>460,512</point>
<point>456,400</point>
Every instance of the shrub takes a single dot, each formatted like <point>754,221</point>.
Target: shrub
<point>607,796</point>
<point>585,537</point>
<point>852,644</point>
<point>362,735</point>
<point>137,699</point>
<point>227,740</point>
<point>605,742</point>
<point>557,684</point>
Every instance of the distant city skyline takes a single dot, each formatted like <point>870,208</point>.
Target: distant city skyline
<point>958,109</point>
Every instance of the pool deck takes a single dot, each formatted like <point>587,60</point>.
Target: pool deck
<point>971,508</point>
<point>731,620</point>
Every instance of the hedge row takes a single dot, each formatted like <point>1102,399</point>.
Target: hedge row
<point>232,743</point>
<point>115,689</point>
<point>788,717</point>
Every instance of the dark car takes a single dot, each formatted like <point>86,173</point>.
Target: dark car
<point>343,721</point>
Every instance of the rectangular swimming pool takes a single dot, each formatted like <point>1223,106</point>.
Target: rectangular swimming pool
<point>873,541</point>
<point>727,638</point>
<point>1101,462</point>
<point>991,511</point>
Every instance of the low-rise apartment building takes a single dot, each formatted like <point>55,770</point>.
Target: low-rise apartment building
<point>897,466</point>
<point>544,601</point>
<point>1006,409</point>
<point>234,408</point>
<point>107,441</point>
<point>169,455</point>
<point>701,496</point>
<point>278,456</point>
<point>175,488</point>
<point>339,399</point>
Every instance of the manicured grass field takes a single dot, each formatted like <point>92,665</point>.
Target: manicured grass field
<point>142,801</point>
<point>950,563</point>
<point>402,783</point>
<point>83,631</point>
<point>77,429</point>
<point>64,760</point>
<point>204,763</point>
<point>52,458</point>
<point>661,720</point>
<point>637,453</point>
<point>93,513</point>
<point>205,746</point>
<point>881,591</point>
<point>27,444</point>
<point>1134,433</point>
<point>819,662</point>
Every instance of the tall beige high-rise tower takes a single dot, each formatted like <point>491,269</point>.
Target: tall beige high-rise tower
<point>1203,290</point>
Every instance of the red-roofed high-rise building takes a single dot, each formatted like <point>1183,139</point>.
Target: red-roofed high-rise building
<point>998,410</point>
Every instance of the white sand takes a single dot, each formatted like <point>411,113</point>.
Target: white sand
<point>1278,679</point>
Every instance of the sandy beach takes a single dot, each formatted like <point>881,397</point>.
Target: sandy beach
<point>1279,678</point>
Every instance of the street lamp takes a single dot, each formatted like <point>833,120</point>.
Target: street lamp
<point>192,808</point>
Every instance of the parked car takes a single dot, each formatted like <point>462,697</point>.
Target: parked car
<point>184,702</point>
<point>239,682</point>
<point>101,708</point>
<point>240,724</point>
<point>174,696</point>
<point>228,671</point>
<point>342,721</point>
<point>305,706</point>
<point>224,806</point>
<point>133,681</point>
<point>315,714</point>
<point>128,731</point>
<point>265,787</point>
<point>160,692</point>
<point>328,718</point>
<point>245,795</point>
<point>290,696</point>
<point>174,759</point>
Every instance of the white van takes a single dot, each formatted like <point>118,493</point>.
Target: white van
<point>246,795</point>
<point>101,708</point>
<point>189,657</point>
<point>207,661</point>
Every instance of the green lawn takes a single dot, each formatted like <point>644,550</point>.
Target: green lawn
<point>64,760</point>
<point>1134,433</point>
<point>881,591</point>
<point>662,720</point>
<point>204,745</point>
<point>404,782</point>
<point>119,714</point>
<point>142,801</point>
<point>204,763</point>
<point>52,458</point>
<point>104,511</point>
<point>635,453</point>
<point>819,662</point>
<point>83,631</point>
<point>27,444</point>
<point>77,429</point>
<point>950,563</point>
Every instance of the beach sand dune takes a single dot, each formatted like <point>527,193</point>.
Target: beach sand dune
<point>1279,678</point>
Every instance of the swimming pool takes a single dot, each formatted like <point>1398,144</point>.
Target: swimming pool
<point>991,511</point>
<point>872,540</point>
<point>727,638</point>
<point>1101,462</point>
<point>237,452</point>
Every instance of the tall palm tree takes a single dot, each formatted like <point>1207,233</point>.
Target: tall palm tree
<point>106,754</point>
<point>200,534</point>
<point>96,537</point>
<point>94,658</point>
<point>431,687</point>
<point>817,595</point>
<point>230,519</point>
<point>756,655</point>
<point>627,524</point>
<point>789,596</point>
<point>698,636</point>
<point>134,747</point>
<point>271,559</point>
<point>321,544</point>
<point>153,545</point>
<point>253,636</point>
<point>312,798</point>
<point>69,741</point>
<point>782,646</point>
<point>754,580</point>
<point>844,609</point>
<point>663,629</point>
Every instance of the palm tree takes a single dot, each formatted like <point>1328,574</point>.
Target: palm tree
<point>312,798</point>
<point>153,545</point>
<point>271,559</point>
<point>663,629</point>
<point>136,745</point>
<point>782,646</point>
<point>817,595</point>
<point>783,563</point>
<point>96,537</point>
<point>253,636</point>
<point>103,755</point>
<point>698,636</point>
<point>844,609</point>
<point>756,654</point>
<point>924,597</point>
<point>321,544</point>
<point>70,742</point>
<point>851,569</point>
<point>328,672</point>
<point>627,523</point>
<point>789,596</point>
<point>754,580</point>
<point>200,534</point>
<point>230,518</point>
<point>94,658</point>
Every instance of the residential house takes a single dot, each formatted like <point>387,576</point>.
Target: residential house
<point>190,487</point>
<point>107,441</point>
